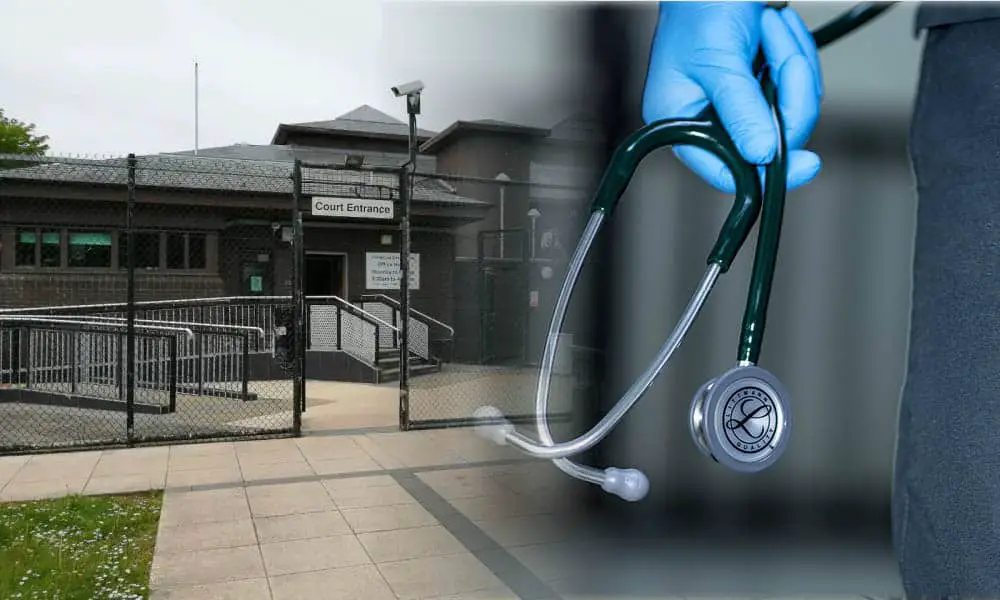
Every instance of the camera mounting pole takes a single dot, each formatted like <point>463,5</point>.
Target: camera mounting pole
<point>412,93</point>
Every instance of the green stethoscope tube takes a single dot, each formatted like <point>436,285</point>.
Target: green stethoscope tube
<point>705,134</point>
<point>751,199</point>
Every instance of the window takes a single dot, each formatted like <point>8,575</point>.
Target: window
<point>46,245</point>
<point>90,249</point>
<point>196,251</point>
<point>185,250</point>
<point>24,248</point>
<point>175,251</point>
<point>51,254</point>
<point>147,250</point>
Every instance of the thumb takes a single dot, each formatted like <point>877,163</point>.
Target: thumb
<point>739,102</point>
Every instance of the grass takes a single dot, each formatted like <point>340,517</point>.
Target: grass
<point>78,547</point>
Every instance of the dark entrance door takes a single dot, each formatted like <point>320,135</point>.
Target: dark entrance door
<point>324,275</point>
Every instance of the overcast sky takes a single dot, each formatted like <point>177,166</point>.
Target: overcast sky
<point>117,76</point>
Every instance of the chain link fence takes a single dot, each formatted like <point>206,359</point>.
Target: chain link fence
<point>507,272</point>
<point>140,299</point>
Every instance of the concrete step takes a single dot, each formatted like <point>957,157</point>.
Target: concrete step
<point>392,373</point>
<point>393,361</point>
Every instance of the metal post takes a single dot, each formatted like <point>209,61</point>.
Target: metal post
<point>120,364</point>
<point>298,303</point>
<point>411,91</point>
<point>130,305</point>
<point>27,357</point>
<point>172,373</point>
<point>340,328</point>
<point>74,359</point>
<point>201,363</point>
<point>504,179</point>
<point>404,288</point>
<point>245,369</point>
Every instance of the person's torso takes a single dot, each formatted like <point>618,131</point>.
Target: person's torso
<point>935,14</point>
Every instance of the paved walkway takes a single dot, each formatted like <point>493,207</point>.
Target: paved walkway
<point>374,514</point>
<point>326,516</point>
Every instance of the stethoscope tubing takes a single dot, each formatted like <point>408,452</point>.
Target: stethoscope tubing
<point>709,135</point>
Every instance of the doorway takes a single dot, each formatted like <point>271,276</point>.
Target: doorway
<point>326,274</point>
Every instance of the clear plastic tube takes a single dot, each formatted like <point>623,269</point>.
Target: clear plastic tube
<point>582,443</point>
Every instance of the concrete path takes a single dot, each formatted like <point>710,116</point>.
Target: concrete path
<point>372,514</point>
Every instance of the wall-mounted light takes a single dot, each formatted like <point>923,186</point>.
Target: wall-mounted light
<point>546,272</point>
<point>387,239</point>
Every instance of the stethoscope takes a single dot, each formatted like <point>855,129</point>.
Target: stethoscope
<point>742,418</point>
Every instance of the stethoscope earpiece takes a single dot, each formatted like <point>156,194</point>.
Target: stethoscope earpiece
<point>630,485</point>
<point>742,419</point>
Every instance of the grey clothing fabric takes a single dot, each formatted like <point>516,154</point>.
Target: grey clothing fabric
<point>946,488</point>
<point>934,14</point>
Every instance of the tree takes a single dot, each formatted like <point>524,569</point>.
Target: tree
<point>17,137</point>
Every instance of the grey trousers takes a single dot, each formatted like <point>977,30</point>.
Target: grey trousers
<point>946,487</point>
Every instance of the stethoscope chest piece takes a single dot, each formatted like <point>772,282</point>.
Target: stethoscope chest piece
<point>742,419</point>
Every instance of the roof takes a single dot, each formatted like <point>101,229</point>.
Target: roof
<point>238,169</point>
<point>578,128</point>
<point>458,128</point>
<point>363,121</point>
<point>288,153</point>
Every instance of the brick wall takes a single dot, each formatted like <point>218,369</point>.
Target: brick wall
<point>25,290</point>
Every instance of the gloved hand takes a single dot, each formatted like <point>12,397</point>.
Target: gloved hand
<point>703,52</point>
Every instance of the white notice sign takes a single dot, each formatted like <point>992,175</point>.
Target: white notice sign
<point>382,271</point>
<point>352,208</point>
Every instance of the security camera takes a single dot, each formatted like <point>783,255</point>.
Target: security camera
<point>407,89</point>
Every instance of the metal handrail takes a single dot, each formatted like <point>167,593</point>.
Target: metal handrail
<point>147,304</point>
<point>45,321</point>
<point>350,307</point>
<point>192,325</point>
<point>395,303</point>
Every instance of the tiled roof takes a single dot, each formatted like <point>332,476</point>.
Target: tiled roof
<point>363,120</point>
<point>242,169</point>
<point>445,138</point>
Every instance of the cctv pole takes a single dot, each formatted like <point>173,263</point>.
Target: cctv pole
<point>406,195</point>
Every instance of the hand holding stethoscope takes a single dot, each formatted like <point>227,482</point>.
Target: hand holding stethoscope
<point>742,418</point>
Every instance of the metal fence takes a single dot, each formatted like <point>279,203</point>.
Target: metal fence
<point>506,276</point>
<point>162,298</point>
<point>138,299</point>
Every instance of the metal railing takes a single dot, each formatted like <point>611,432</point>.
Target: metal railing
<point>212,362</point>
<point>333,323</point>
<point>67,359</point>
<point>421,325</point>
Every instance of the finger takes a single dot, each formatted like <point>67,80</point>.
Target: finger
<point>803,167</point>
<point>669,94</point>
<point>707,166</point>
<point>790,69</point>
<point>737,98</point>
<point>806,43</point>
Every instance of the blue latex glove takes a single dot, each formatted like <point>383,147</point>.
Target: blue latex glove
<point>703,52</point>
